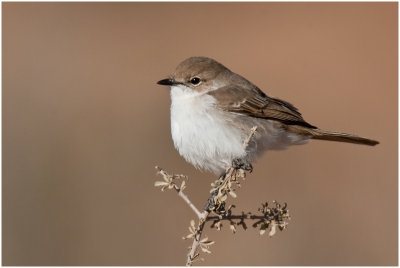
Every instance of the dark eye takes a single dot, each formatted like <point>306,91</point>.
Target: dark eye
<point>195,81</point>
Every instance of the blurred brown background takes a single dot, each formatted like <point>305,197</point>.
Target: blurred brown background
<point>84,124</point>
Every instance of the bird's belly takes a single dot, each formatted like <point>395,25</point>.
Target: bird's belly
<point>204,137</point>
<point>210,138</point>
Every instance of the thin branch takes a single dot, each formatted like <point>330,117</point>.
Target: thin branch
<point>271,218</point>
<point>193,254</point>
<point>169,182</point>
<point>236,217</point>
<point>230,174</point>
<point>251,134</point>
<point>187,201</point>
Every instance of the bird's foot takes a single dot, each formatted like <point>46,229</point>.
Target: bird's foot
<point>239,163</point>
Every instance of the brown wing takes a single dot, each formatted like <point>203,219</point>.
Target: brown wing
<point>253,102</point>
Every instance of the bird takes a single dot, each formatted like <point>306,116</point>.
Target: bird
<point>214,109</point>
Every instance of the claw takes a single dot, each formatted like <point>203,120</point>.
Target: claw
<point>239,163</point>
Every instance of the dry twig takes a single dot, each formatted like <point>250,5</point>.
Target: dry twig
<point>270,218</point>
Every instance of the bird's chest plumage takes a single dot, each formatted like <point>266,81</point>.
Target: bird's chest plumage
<point>203,134</point>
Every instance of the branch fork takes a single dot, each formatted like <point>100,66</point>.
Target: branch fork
<point>270,218</point>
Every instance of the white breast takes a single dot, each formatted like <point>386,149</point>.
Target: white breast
<point>210,138</point>
<point>202,134</point>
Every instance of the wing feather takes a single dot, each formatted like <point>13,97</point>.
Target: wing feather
<point>253,102</point>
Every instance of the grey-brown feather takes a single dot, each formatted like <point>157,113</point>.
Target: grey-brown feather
<point>251,101</point>
<point>319,134</point>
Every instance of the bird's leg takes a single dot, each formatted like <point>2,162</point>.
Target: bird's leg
<point>237,163</point>
<point>241,163</point>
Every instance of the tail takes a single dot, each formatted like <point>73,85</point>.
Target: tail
<point>319,134</point>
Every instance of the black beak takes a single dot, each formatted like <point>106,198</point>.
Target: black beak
<point>166,82</point>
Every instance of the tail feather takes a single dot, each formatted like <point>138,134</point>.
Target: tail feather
<point>342,137</point>
<point>319,134</point>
